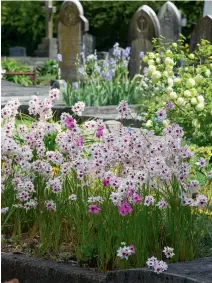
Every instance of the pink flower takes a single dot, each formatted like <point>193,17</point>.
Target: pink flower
<point>136,198</point>
<point>99,132</point>
<point>69,123</point>
<point>80,141</point>
<point>106,182</point>
<point>94,209</point>
<point>125,209</point>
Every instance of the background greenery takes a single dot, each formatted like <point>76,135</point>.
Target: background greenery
<point>23,22</point>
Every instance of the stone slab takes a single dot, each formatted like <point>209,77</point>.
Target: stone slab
<point>34,270</point>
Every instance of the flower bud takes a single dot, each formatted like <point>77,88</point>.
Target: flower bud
<point>169,61</point>
<point>180,101</point>
<point>173,95</point>
<point>191,56</point>
<point>169,89</point>
<point>200,98</point>
<point>156,75</point>
<point>151,69</point>
<point>200,106</point>
<point>149,123</point>
<point>208,73</point>
<point>190,83</point>
<point>198,78</point>
<point>170,82</point>
<point>165,123</point>
<point>177,81</point>
<point>193,101</point>
<point>187,93</point>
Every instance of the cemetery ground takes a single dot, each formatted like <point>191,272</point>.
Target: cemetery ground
<point>90,200</point>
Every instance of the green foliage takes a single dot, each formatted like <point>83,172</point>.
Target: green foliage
<point>11,65</point>
<point>50,67</point>
<point>174,75</point>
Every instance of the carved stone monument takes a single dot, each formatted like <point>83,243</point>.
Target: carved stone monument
<point>203,30</point>
<point>170,22</point>
<point>48,46</point>
<point>144,27</point>
<point>71,28</point>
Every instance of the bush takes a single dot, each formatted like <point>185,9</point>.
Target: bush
<point>11,65</point>
<point>177,85</point>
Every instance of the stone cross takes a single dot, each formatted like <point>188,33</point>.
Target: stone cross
<point>144,27</point>
<point>72,26</point>
<point>170,22</point>
<point>49,10</point>
<point>203,30</point>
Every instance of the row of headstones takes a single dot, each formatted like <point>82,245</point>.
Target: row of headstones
<point>145,26</point>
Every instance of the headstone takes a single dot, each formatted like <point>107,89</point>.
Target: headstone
<point>203,30</point>
<point>207,8</point>
<point>17,51</point>
<point>170,22</point>
<point>48,46</point>
<point>71,28</point>
<point>144,27</point>
<point>88,44</point>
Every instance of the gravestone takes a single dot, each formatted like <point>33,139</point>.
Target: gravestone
<point>144,27</point>
<point>203,30</point>
<point>71,28</point>
<point>88,44</point>
<point>48,45</point>
<point>17,51</point>
<point>170,22</point>
<point>207,8</point>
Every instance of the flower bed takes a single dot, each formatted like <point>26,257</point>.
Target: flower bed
<point>115,200</point>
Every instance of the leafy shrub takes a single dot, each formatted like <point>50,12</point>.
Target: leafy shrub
<point>179,84</point>
<point>11,65</point>
<point>49,67</point>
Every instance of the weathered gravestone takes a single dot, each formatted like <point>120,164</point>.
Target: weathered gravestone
<point>203,30</point>
<point>144,27</point>
<point>88,44</point>
<point>170,22</point>
<point>17,51</point>
<point>71,28</point>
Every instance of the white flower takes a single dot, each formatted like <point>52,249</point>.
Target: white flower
<point>169,61</point>
<point>193,101</point>
<point>149,200</point>
<point>177,81</point>
<point>208,73</point>
<point>187,93</point>
<point>180,101</point>
<point>162,204</point>
<point>200,106</point>
<point>173,95</point>
<point>190,83</point>
<point>149,123</point>
<point>201,98</point>
<point>72,197</point>
<point>168,252</point>
<point>201,200</point>
<point>4,210</point>
<point>78,108</point>
<point>191,56</point>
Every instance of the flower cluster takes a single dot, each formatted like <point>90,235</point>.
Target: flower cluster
<point>125,251</point>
